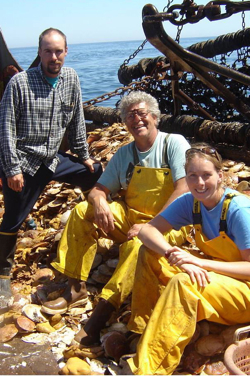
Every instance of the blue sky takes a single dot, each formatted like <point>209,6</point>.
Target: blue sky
<point>88,21</point>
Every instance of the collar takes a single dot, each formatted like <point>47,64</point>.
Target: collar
<point>39,67</point>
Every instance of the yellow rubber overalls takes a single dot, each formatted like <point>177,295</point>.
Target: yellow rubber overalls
<point>147,192</point>
<point>172,324</point>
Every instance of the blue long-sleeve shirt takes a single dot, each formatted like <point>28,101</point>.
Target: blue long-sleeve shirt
<point>34,117</point>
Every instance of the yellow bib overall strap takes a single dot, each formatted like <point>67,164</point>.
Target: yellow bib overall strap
<point>225,207</point>
<point>131,166</point>
<point>222,247</point>
<point>197,219</point>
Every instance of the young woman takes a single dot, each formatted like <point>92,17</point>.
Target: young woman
<point>213,284</point>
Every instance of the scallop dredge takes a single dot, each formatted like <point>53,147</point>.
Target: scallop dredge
<point>201,95</point>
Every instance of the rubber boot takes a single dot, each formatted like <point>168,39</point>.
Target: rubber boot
<point>75,295</point>
<point>7,251</point>
<point>90,334</point>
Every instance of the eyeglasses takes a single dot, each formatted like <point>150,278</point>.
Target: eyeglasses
<point>205,150</point>
<point>141,113</point>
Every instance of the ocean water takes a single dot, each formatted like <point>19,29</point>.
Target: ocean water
<point>97,64</point>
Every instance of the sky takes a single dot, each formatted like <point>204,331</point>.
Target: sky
<point>89,21</point>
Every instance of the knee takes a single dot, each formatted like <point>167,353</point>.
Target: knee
<point>98,169</point>
<point>130,248</point>
<point>180,279</point>
<point>80,210</point>
<point>94,176</point>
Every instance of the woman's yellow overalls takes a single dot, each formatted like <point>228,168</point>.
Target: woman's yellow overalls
<point>147,192</point>
<point>181,304</point>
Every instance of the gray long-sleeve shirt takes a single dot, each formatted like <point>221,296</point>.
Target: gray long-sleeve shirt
<point>34,117</point>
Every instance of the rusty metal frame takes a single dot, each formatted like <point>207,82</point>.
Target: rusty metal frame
<point>182,60</point>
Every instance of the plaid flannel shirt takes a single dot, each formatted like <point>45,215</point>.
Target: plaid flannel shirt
<point>34,117</point>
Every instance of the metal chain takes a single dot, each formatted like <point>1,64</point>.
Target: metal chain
<point>243,16</point>
<point>168,5</point>
<point>126,61</point>
<point>179,30</point>
<point>193,16</point>
<point>194,13</point>
<point>135,85</point>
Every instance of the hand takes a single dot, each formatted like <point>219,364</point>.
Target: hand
<point>197,274</point>
<point>177,256</point>
<point>103,215</point>
<point>90,164</point>
<point>16,182</point>
<point>134,230</point>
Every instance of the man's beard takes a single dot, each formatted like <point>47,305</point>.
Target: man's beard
<point>54,69</point>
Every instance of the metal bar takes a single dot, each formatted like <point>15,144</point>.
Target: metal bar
<point>183,60</point>
<point>197,109</point>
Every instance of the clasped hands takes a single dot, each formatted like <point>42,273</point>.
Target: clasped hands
<point>189,264</point>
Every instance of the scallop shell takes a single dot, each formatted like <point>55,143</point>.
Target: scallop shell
<point>53,191</point>
<point>33,312</point>
<point>43,276</point>
<point>8,332</point>
<point>215,368</point>
<point>104,244</point>
<point>55,319</point>
<point>100,144</point>
<point>45,327</point>
<point>76,366</point>
<point>65,217</point>
<point>244,174</point>
<point>238,167</point>
<point>25,325</point>
<point>228,163</point>
<point>56,204</point>
<point>40,338</point>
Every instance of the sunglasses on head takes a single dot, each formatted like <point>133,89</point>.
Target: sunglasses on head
<point>205,150</point>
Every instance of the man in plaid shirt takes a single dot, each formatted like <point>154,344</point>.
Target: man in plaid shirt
<point>38,106</point>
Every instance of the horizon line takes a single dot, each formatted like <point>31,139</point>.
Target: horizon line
<point>115,41</point>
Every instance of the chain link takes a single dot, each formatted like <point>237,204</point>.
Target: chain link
<point>190,13</point>
<point>135,85</point>
<point>178,35</point>
<point>133,55</point>
<point>168,5</point>
<point>193,13</point>
<point>243,16</point>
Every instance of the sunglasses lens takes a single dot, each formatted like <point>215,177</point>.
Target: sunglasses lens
<point>141,113</point>
<point>206,150</point>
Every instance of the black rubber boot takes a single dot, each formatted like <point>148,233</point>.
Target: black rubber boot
<point>90,334</point>
<point>7,248</point>
<point>7,251</point>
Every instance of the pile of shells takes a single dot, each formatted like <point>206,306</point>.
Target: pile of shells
<point>34,281</point>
